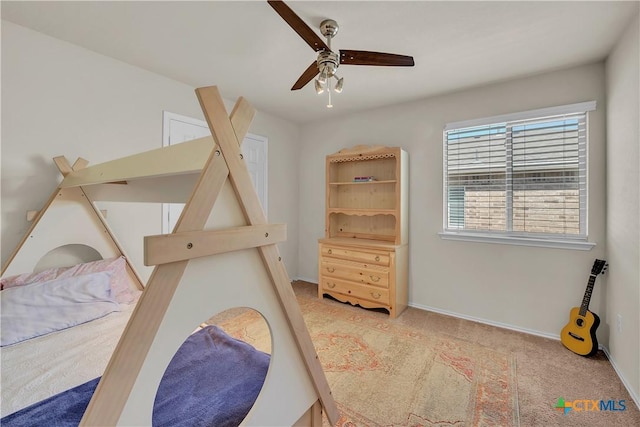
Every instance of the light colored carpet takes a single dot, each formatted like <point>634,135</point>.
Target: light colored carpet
<point>388,373</point>
<point>427,369</point>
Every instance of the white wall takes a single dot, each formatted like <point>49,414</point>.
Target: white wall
<point>523,287</point>
<point>60,99</point>
<point>623,205</point>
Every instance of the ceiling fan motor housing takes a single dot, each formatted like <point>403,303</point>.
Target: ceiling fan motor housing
<point>328,62</point>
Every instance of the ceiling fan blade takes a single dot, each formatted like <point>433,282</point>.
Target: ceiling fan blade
<point>362,57</point>
<point>298,25</point>
<point>307,76</point>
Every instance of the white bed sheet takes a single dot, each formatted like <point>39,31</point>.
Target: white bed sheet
<point>44,366</point>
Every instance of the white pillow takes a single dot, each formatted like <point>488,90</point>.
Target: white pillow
<point>41,308</point>
<point>120,287</point>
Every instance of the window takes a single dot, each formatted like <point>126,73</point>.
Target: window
<point>455,205</point>
<point>519,178</point>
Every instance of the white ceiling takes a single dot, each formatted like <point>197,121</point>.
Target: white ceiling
<point>247,50</point>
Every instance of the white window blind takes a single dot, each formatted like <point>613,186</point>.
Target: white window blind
<point>523,177</point>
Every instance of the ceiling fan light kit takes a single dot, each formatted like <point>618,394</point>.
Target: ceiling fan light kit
<point>327,63</point>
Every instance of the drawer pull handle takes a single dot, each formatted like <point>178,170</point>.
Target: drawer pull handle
<point>331,269</point>
<point>376,295</point>
<point>329,252</point>
<point>377,258</point>
<point>331,285</point>
<point>375,278</point>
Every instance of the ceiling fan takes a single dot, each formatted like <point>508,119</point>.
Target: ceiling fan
<point>328,61</point>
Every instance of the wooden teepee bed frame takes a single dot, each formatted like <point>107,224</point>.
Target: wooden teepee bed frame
<point>221,254</point>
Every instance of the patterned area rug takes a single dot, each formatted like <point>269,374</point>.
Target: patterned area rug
<point>383,373</point>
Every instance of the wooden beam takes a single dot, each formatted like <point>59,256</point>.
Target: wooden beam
<point>126,362</point>
<point>36,219</point>
<point>162,249</point>
<point>80,163</point>
<point>31,215</point>
<point>311,418</point>
<point>123,368</point>
<point>63,165</point>
<point>101,215</point>
<point>215,173</point>
<point>187,157</point>
<point>129,356</point>
<point>223,131</point>
<point>241,117</point>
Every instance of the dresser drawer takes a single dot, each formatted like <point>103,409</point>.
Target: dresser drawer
<point>357,272</point>
<point>370,293</point>
<point>379,258</point>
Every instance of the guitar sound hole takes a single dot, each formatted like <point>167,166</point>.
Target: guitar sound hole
<point>580,322</point>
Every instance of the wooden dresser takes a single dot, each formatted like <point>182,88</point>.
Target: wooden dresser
<point>363,258</point>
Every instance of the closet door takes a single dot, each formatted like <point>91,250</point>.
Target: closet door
<point>178,128</point>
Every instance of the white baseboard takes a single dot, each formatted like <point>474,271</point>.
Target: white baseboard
<point>314,281</point>
<point>633,394</point>
<point>488,322</point>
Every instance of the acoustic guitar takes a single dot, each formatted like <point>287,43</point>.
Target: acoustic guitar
<point>579,335</point>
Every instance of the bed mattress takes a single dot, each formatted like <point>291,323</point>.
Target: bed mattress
<point>212,381</point>
<point>41,367</point>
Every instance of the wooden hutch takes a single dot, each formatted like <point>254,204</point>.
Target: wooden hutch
<point>363,258</point>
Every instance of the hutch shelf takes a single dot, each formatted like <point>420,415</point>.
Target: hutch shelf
<point>363,258</point>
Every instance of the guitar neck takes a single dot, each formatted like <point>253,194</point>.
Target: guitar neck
<point>587,295</point>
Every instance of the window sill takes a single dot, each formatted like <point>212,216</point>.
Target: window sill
<point>519,241</point>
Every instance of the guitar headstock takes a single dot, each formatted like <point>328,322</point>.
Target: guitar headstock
<point>599,266</point>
